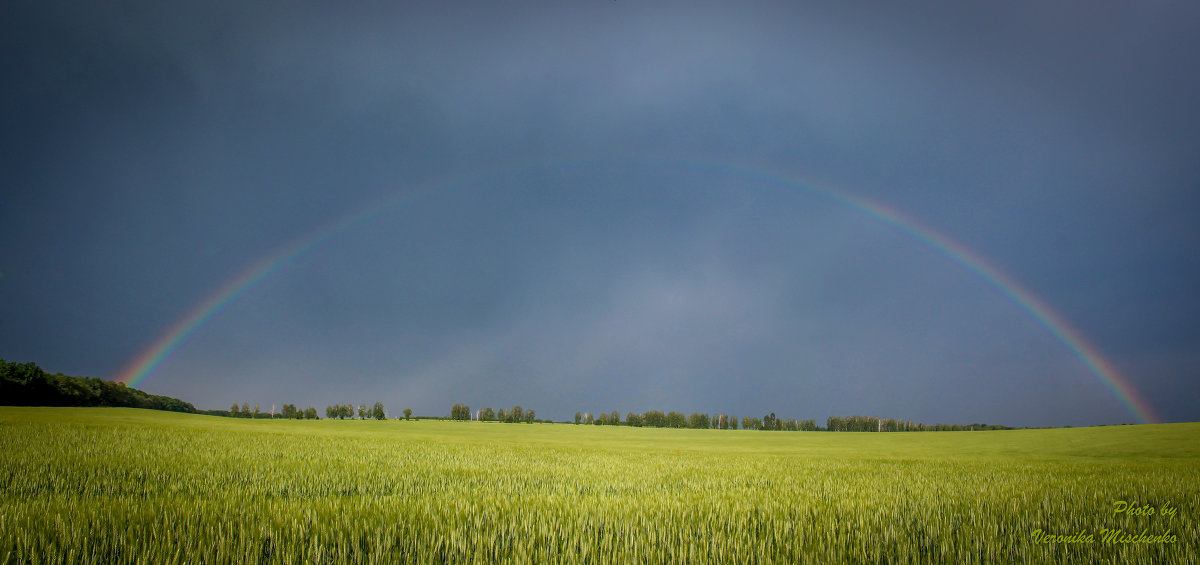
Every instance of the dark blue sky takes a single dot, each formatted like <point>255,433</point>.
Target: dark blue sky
<point>151,152</point>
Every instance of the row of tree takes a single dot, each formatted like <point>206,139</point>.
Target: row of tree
<point>291,411</point>
<point>343,411</point>
<point>770,422</point>
<point>658,419</point>
<point>874,424</point>
<point>516,414</point>
<point>26,384</point>
<point>695,420</point>
<point>244,411</point>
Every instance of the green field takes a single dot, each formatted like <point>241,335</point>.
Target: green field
<point>110,485</point>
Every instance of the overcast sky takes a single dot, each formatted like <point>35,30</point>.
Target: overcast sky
<point>620,246</point>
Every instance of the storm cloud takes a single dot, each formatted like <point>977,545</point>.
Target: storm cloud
<point>620,243</point>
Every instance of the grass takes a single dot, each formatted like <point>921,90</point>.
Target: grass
<point>108,485</point>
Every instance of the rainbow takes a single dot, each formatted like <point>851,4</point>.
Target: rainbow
<point>145,363</point>
<point>136,371</point>
<point>1118,385</point>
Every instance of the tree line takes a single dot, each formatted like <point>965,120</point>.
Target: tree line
<point>343,411</point>
<point>513,415</point>
<point>659,419</point>
<point>26,384</point>
<point>873,424</point>
<point>332,412</point>
<point>695,420</point>
<point>289,411</point>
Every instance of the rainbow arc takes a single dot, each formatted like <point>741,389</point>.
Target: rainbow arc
<point>148,360</point>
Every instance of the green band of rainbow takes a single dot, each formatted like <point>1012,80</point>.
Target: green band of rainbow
<point>145,363</point>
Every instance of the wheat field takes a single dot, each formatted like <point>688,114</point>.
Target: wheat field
<point>108,485</point>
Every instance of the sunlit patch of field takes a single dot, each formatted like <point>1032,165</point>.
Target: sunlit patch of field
<point>108,485</point>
